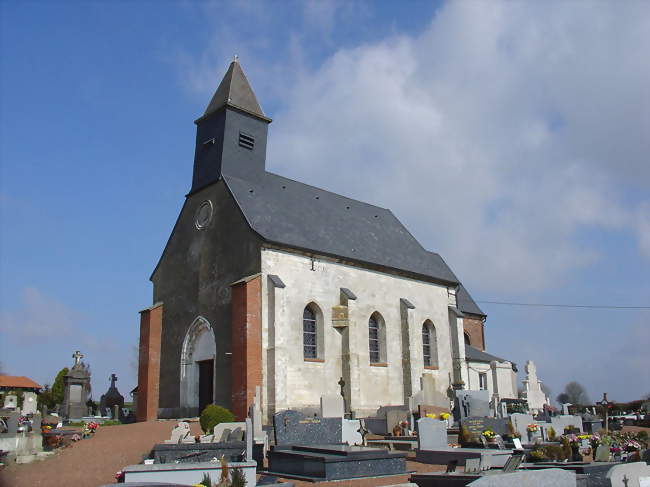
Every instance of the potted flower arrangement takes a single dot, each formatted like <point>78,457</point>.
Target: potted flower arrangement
<point>489,435</point>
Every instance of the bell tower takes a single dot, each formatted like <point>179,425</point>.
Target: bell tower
<point>231,134</point>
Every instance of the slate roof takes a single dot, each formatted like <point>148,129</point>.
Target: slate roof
<point>18,382</point>
<point>465,302</point>
<point>294,214</point>
<point>475,355</point>
<point>234,90</point>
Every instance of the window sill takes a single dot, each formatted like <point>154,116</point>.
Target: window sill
<point>315,360</point>
<point>430,367</point>
<point>379,364</point>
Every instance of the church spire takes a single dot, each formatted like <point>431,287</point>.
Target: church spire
<point>235,91</point>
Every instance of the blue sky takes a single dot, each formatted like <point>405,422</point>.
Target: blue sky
<point>510,137</point>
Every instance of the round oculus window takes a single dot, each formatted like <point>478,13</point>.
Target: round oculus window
<point>203,215</point>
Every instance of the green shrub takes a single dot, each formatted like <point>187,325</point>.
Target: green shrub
<point>237,478</point>
<point>212,415</point>
<point>537,456</point>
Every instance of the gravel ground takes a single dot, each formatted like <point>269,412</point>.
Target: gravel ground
<point>94,462</point>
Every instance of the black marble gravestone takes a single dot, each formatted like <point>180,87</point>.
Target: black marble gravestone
<point>310,448</point>
<point>294,428</point>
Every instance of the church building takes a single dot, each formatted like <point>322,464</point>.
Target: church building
<point>266,281</point>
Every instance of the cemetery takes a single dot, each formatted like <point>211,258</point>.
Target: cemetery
<point>471,442</point>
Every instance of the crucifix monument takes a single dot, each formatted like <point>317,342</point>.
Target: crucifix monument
<point>76,389</point>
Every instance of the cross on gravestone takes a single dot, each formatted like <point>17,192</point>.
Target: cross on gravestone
<point>77,356</point>
<point>341,384</point>
<point>113,379</point>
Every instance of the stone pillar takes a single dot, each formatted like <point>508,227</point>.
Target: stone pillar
<point>350,354</point>
<point>274,398</point>
<point>459,365</point>
<point>246,346</point>
<point>409,353</point>
<point>149,363</point>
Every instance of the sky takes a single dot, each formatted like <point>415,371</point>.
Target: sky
<point>511,137</point>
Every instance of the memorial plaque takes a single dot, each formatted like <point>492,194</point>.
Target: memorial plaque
<point>477,425</point>
<point>75,393</point>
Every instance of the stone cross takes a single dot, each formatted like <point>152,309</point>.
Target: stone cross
<point>605,403</point>
<point>77,356</point>
<point>341,383</point>
<point>113,379</point>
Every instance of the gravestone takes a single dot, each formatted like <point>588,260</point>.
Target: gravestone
<point>629,474</point>
<point>565,408</point>
<point>476,426</point>
<point>332,406</point>
<point>550,477</point>
<point>29,403</point>
<point>11,401</point>
<point>432,434</point>
<point>180,432</point>
<point>561,422</point>
<point>394,417</point>
<point>471,403</point>
<point>350,432</point>
<point>255,413</point>
<point>76,385</point>
<point>249,440</point>
<point>112,397</point>
<point>294,428</point>
<point>602,453</point>
<point>520,424</point>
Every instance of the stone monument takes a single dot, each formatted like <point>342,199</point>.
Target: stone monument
<point>112,397</point>
<point>533,389</point>
<point>76,386</point>
<point>29,403</point>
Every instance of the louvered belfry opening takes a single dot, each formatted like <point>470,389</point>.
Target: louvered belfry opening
<point>246,141</point>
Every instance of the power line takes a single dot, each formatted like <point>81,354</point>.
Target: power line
<point>545,305</point>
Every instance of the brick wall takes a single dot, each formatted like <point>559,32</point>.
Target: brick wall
<point>149,363</point>
<point>473,326</point>
<point>246,344</point>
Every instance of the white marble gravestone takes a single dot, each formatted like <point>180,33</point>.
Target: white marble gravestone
<point>29,403</point>
<point>332,406</point>
<point>533,389</point>
<point>432,434</point>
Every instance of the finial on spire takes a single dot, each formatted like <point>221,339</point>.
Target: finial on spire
<point>235,58</point>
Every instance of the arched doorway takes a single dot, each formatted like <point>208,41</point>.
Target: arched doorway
<point>197,366</point>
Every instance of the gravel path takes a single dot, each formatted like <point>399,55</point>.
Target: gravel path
<point>94,462</point>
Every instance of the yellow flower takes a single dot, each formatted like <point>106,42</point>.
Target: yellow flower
<point>432,416</point>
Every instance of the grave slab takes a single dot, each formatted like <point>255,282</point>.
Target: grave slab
<point>334,462</point>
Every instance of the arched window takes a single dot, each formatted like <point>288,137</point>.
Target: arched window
<point>376,339</point>
<point>309,333</point>
<point>429,345</point>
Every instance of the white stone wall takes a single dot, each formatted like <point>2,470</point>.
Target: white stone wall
<point>501,379</point>
<point>291,381</point>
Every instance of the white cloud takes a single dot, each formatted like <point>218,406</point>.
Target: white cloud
<point>498,134</point>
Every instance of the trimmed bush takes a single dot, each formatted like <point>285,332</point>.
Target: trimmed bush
<point>212,415</point>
